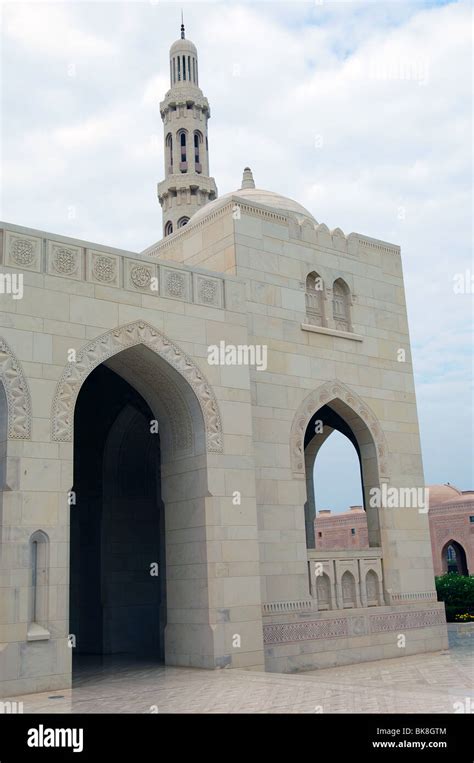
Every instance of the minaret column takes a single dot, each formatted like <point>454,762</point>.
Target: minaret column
<point>187,186</point>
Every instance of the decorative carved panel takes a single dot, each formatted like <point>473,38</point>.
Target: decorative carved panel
<point>17,394</point>
<point>64,260</point>
<point>207,290</point>
<point>22,251</point>
<point>103,269</point>
<point>175,284</point>
<point>139,276</point>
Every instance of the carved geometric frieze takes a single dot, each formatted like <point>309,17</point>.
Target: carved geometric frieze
<point>65,260</point>
<point>175,284</point>
<point>113,342</point>
<point>103,268</point>
<point>22,251</point>
<point>290,633</point>
<point>323,395</point>
<point>140,276</point>
<point>17,394</point>
<point>208,290</point>
<point>401,621</point>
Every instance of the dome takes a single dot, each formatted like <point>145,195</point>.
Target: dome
<point>270,199</point>
<point>183,46</point>
<point>442,493</point>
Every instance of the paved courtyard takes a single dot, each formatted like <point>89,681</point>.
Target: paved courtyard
<point>429,683</point>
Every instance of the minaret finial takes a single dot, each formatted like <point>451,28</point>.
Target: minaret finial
<point>182,25</point>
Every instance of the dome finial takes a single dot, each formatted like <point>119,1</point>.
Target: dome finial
<point>182,25</point>
<point>247,179</point>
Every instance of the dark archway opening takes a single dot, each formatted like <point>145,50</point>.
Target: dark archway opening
<point>454,558</point>
<point>117,550</point>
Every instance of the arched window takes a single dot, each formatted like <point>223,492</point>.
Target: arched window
<point>184,67</point>
<point>179,68</point>
<point>169,151</point>
<point>174,71</point>
<point>194,71</point>
<point>454,558</point>
<point>314,299</point>
<point>197,152</point>
<point>182,221</point>
<point>183,151</point>
<point>348,586</point>
<point>39,563</point>
<point>168,228</point>
<point>372,588</point>
<point>323,591</point>
<point>341,305</point>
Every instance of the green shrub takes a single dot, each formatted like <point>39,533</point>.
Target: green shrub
<point>457,591</point>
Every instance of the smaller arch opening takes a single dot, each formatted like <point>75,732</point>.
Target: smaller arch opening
<point>182,222</point>
<point>168,228</point>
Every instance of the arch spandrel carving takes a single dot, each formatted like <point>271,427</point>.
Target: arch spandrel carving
<point>113,342</point>
<point>323,395</point>
<point>17,393</point>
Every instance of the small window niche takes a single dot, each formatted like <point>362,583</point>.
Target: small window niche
<point>39,589</point>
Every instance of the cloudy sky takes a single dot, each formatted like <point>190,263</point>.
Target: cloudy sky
<point>360,111</point>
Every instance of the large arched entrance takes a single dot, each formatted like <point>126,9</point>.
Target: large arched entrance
<point>117,554</point>
<point>145,421</point>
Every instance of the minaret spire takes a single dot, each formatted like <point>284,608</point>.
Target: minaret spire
<point>185,113</point>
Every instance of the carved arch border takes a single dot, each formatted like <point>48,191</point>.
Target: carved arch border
<point>17,393</point>
<point>111,343</point>
<point>323,395</point>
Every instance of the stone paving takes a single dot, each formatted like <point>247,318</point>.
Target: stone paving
<point>427,683</point>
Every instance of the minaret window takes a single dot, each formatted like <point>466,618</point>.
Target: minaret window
<point>169,151</point>
<point>197,158</point>
<point>179,68</point>
<point>182,221</point>
<point>182,151</point>
<point>194,71</point>
<point>341,305</point>
<point>174,71</point>
<point>184,67</point>
<point>168,228</point>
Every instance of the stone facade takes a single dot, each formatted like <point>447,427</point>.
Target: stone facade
<point>237,442</point>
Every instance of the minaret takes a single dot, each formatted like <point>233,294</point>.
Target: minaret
<point>185,113</point>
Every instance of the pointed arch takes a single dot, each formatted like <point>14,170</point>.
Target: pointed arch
<point>324,395</point>
<point>314,297</point>
<point>112,343</point>
<point>341,305</point>
<point>17,393</point>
